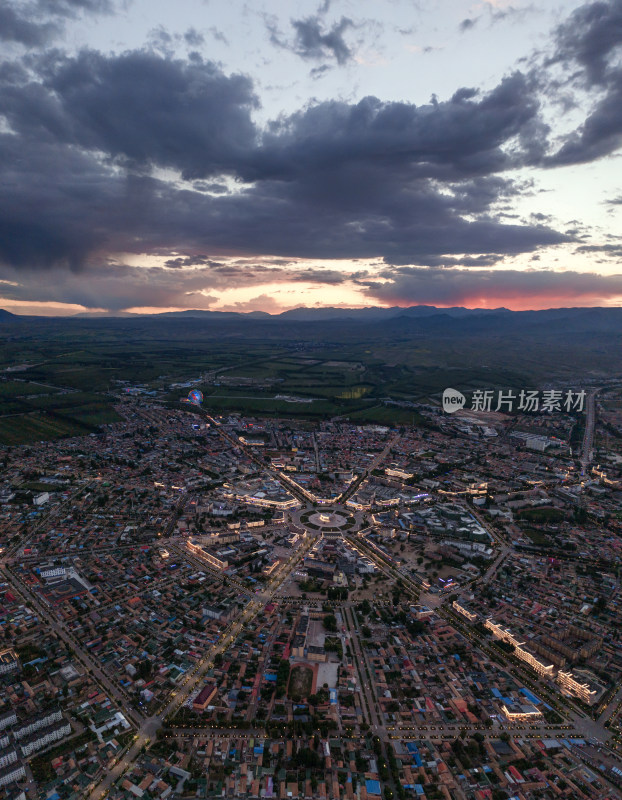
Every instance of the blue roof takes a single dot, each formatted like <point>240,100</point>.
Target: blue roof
<point>530,696</point>
<point>507,700</point>
<point>373,787</point>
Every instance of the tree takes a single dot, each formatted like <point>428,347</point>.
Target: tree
<point>144,669</point>
<point>330,623</point>
<point>365,608</point>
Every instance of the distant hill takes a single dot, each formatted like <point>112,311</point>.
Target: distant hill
<point>404,352</point>
<point>103,314</point>
<point>374,312</point>
<point>329,313</point>
<point>198,313</point>
<point>353,322</point>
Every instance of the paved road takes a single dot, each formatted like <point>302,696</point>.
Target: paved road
<point>492,569</point>
<point>588,436</point>
<point>112,689</point>
<point>366,685</point>
<point>612,708</point>
<point>374,465</point>
<point>315,450</point>
<point>53,511</point>
<point>149,727</point>
<point>583,724</point>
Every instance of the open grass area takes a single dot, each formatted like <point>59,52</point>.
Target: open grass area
<point>537,537</point>
<point>542,515</point>
<point>52,416</point>
<point>216,404</point>
<point>12,389</point>
<point>300,682</point>
<point>35,427</point>
<point>386,415</point>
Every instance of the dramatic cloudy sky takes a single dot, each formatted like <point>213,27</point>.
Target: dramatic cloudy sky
<point>238,155</point>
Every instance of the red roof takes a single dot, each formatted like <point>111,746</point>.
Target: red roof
<point>204,694</point>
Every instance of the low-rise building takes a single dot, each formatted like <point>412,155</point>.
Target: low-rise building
<point>204,698</point>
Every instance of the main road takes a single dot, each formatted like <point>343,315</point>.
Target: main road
<point>89,663</point>
<point>588,436</point>
<point>149,727</point>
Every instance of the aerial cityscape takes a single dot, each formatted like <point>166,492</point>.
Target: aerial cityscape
<point>310,400</point>
<point>387,600</point>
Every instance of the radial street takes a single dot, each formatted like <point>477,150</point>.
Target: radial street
<point>149,728</point>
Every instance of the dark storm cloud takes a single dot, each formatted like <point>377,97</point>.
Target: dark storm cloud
<point>162,40</point>
<point>601,132</point>
<point>449,140</point>
<point>138,106</point>
<point>313,41</point>
<point>186,261</point>
<point>36,23</point>
<point>482,260</point>
<point>58,206</point>
<point>317,72</point>
<point>116,287</point>
<point>585,45</point>
<point>589,36</point>
<point>338,180</point>
<point>17,25</point>
<point>69,7</point>
<point>119,286</point>
<point>609,250</point>
<point>411,285</point>
<point>210,186</point>
<point>328,276</point>
<point>411,185</point>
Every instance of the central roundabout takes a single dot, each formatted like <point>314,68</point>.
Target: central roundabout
<point>327,520</point>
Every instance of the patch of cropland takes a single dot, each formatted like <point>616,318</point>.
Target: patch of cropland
<point>32,412</point>
<point>62,376</point>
